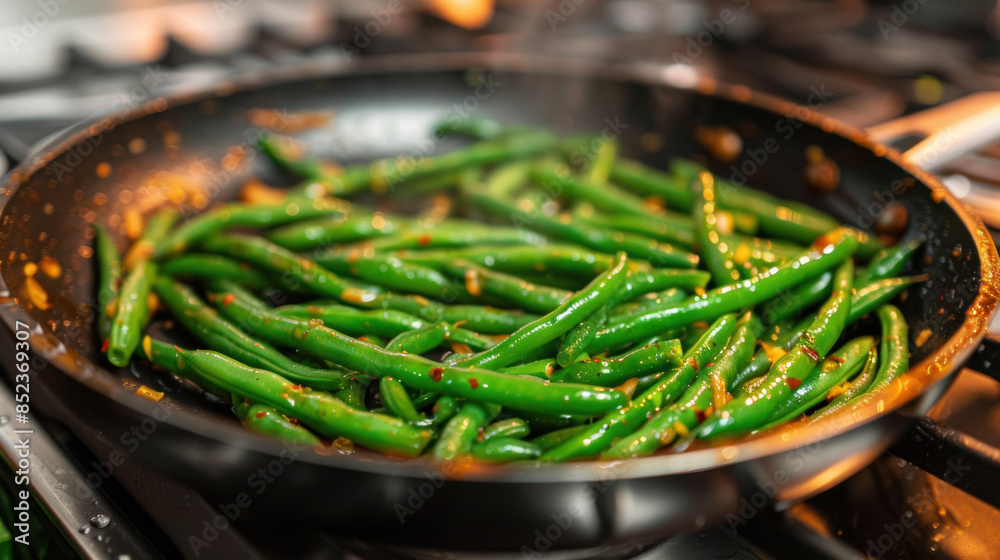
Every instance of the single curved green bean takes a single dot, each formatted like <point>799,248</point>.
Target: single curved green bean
<point>319,410</point>
<point>513,428</point>
<point>888,262</point>
<point>201,265</point>
<point>556,437</point>
<point>245,215</point>
<point>551,326</point>
<point>480,281</point>
<point>132,310</point>
<point>485,319</point>
<point>716,253</point>
<point>220,335</point>
<point>356,226</point>
<point>610,372</point>
<point>397,401</point>
<point>414,371</point>
<point>168,357</point>
<point>894,349</point>
<point>505,449</point>
<point>420,340</point>
<point>269,422</point>
<point>599,435</point>
<point>541,369</point>
<point>460,432</point>
<point>605,197</point>
<point>388,271</point>
<point>355,322</point>
<point>109,277</point>
<point>453,234</point>
<point>444,408</point>
<point>787,374</point>
<point>559,259</point>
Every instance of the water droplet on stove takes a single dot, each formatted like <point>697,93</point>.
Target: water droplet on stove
<point>85,530</point>
<point>100,520</point>
<point>100,538</point>
<point>4,419</point>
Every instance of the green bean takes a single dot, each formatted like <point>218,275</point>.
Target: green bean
<point>600,166</point>
<point>109,276</point>
<point>460,432</point>
<point>419,340</point>
<point>453,233</point>
<point>244,215</point>
<point>561,259</point>
<point>639,305</point>
<point>355,322</point>
<point>673,228</point>
<point>268,421</point>
<point>353,395</point>
<point>556,437</point>
<point>708,391</point>
<point>605,197</point>
<point>397,401</point>
<point>198,265</point>
<point>599,435</point>
<point>541,369</point>
<point>842,364</point>
<point>483,281</point>
<point>132,309</point>
<point>505,449</point>
<point>329,231</point>
<point>474,340</point>
<point>168,357</point>
<point>222,336</point>
<point>730,298</point>
<point>661,254</point>
<point>388,271</point>
<point>786,375</point>
<point>316,409</point>
<point>796,300</point>
<point>513,428</point>
<point>414,371</point>
<point>894,349</point>
<point>558,321</point>
<point>888,262</point>
<point>658,356</point>
<point>716,253</point>
<point>485,319</point>
<point>444,408</point>
<point>477,128</point>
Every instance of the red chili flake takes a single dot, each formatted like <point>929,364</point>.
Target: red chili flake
<point>811,353</point>
<point>822,241</point>
<point>694,364</point>
<point>104,345</point>
<point>837,359</point>
<point>700,415</point>
<point>480,434</point>
<point>261,414</point>
<point>229,298</point>
<point>295,387</point>
<point>424,239</point>
<point>436,373</point>
<point>793,383</point>
<point>473,383</point>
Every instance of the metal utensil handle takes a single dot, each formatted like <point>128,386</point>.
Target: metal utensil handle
<point>949,131</point>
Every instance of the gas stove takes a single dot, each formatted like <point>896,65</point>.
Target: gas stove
<point>932,496</point>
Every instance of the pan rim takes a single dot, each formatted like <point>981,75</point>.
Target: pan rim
<point>933,369</point>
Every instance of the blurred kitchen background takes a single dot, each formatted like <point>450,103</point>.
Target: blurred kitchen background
<point>65,60</point>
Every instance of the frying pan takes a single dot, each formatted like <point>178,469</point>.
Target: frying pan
<point>385,106</point>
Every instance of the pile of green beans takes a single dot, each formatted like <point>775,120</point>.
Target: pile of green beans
<point>556,311</point>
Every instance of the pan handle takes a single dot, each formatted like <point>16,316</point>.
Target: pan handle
<point>945,133</point>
